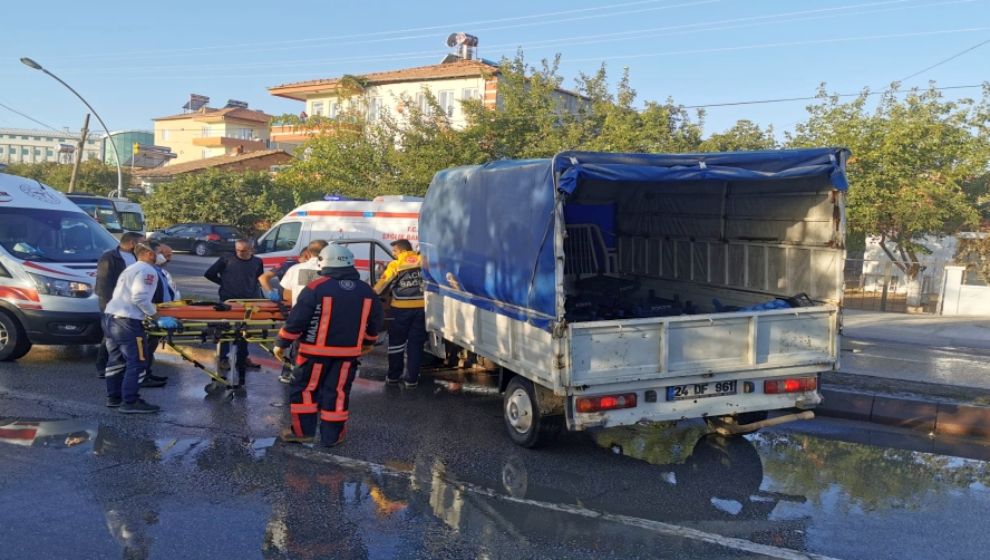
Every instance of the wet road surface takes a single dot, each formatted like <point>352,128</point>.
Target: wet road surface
<point>429,473</point>
<point>951,366</point>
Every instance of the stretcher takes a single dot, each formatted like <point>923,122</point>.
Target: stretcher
<point>251,321</point>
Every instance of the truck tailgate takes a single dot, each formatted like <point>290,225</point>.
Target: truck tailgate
<point>606,352</point>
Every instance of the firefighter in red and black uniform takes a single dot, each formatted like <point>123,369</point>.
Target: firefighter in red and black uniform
<point>336,319</point>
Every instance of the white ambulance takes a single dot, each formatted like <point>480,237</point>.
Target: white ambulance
<point>49,248</point>
<point>367,227</point>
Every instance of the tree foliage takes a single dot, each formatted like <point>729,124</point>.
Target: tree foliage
<point>249,201</point>
<point>744,135</point>
<point>94,177</point>
<point>911,158</point>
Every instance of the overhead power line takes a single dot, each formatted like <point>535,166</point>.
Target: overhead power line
<point>610,10</point>
<point>813,97</point>
<point>585,39</point>
<point>944,60</point>
<point>786,44</point>
<point>28,117</point>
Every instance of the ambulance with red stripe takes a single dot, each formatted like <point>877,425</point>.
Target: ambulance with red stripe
<point>367,227</point>
<point>48,253</point>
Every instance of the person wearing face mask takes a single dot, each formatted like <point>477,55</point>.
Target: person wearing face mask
<point>108,270</point>
<point>166,291</point>
<point>126,313</point>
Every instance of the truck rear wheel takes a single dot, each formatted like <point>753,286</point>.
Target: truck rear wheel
<point>526,425</point>
<point>14,342</point>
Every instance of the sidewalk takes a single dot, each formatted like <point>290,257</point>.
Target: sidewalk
<point>921,372</point>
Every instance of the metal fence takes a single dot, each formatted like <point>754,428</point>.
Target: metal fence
<point>880,285</point>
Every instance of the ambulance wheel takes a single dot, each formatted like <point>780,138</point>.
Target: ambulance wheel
<point>526,425</point>
<point>14,342</point>
<point>200,249</point>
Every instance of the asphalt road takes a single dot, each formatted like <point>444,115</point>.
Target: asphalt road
<point>187,270</point>
<point>429,473</point>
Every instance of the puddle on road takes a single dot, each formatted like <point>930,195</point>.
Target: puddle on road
<point>76,435</point>
<point>86,436</point>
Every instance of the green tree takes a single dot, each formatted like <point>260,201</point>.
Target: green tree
<point>610,122</point>
<point>249,201</point>
<point>744,135</point>
<point>910,160</point>
<point>530,120</point>
<point>94,177</point>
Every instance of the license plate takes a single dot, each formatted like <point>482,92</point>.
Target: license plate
<point>701,390</point>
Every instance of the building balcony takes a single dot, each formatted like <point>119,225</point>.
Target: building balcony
<point>229,142</point>
<point>292,134</point>
<point>299,133</point>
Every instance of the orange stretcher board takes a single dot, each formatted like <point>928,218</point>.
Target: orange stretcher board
<point>230,310</point>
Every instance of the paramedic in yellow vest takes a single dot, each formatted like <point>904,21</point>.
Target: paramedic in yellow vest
<point>402,282</point>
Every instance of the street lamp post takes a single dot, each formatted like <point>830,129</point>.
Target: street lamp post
<point>116,155</point>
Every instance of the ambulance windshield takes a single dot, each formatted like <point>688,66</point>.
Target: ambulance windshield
<point>52,235</point>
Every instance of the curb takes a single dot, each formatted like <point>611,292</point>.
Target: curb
<point>927,416</point>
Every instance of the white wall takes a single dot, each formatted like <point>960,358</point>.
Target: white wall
<point>959,299</point>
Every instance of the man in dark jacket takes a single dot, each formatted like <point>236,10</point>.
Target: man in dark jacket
<point>108,270</point>
<point>335,320</point>
<point>239,277</point>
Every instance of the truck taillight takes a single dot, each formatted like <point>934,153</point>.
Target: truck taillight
<point>794,385</point>
<point>606,402</point>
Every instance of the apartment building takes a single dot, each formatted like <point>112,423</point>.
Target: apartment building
<point>459,77</point>
<point>207,132</point>
<point>19,145</point>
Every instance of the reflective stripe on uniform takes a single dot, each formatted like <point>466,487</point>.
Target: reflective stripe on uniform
<point>339,406</point>
<point>314,382</point>
<point>333,416</point>
<point>282,333</point>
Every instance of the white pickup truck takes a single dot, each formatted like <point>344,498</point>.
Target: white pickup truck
<point>612,289</point>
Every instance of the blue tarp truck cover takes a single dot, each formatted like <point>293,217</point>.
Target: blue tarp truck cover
<point>487,231</point>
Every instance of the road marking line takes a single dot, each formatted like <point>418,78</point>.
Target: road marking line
<point>668,529</point>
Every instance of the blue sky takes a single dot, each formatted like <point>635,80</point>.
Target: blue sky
<point>137,60</point>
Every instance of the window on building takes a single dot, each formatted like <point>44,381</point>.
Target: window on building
<point>205,132</point>
<point>334,110</point>
<point>317,109</point>
<point>445,98</point>
<point>423,103</point>
<point>468,94</point>
<point>37,138</point>
<point>25,151</point>
<point>374,108</point>
<point>165,134</point>
<point>37,151</point>
<point>205,154</point>
<point>24,137</point>
<point>49,152</point>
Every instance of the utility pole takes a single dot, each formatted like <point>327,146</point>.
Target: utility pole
<point>79,154</point>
